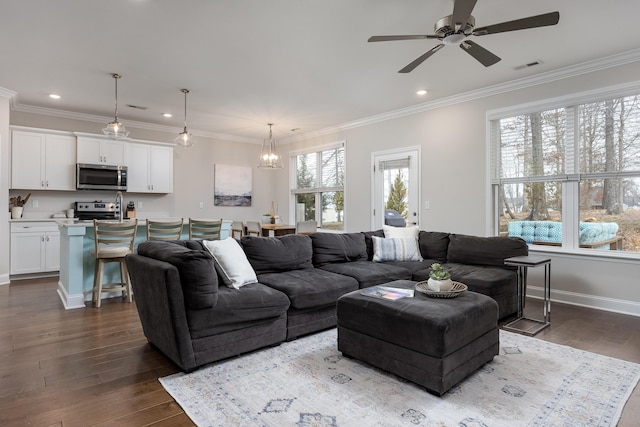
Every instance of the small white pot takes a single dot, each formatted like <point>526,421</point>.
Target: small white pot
<point>16,212</point>
<point>439,285</point>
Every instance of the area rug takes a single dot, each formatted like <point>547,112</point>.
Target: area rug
<point>307,382</point>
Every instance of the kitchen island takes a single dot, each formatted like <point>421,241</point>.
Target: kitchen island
<point>77,263</point>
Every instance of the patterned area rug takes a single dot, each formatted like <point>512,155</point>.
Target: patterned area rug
<point>307,382</point>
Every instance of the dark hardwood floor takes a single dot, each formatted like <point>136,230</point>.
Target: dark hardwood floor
<point>94,367</point>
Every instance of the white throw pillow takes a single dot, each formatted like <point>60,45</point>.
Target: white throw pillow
<point>400,232</point>
<point>400,249</point>
<point>231,262</point>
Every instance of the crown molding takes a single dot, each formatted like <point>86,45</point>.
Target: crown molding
<point>7,93</point>
<point>16,106</point>
<point>523,83</point>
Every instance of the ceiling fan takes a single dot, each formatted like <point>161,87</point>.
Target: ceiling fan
<point>456,27</point>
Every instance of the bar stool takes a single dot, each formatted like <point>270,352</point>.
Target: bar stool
<point>237,229</point>
<point>114,241</point>
<point>164,230</point>
<point>204,229</point>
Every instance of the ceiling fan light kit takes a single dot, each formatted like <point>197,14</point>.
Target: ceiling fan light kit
<point>115,129</point>
<point>457,27</point>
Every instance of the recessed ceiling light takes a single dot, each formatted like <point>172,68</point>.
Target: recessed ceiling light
<point>167,115</point>
<point>54,96</point>
<point>421,92</point>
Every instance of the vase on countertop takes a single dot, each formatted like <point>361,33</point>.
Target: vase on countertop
<point>16,212</point>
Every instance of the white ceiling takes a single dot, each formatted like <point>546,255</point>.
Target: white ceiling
<point>297,63</point>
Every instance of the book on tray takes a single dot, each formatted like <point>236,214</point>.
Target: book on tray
<point>387,292</point>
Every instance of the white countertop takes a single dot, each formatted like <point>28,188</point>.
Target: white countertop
<point>87,222</point>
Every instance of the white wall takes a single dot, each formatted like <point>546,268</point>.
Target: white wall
<point>455,180</point>
<point>4,185</point>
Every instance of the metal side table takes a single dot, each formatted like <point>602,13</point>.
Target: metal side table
<point>523,324</point>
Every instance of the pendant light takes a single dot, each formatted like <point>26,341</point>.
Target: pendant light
<point>269,158</point>
<point>115,129</point>
<point>185,139</point>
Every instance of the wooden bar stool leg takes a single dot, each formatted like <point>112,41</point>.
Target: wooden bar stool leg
<point>126,280</point>
<point>99,275</point>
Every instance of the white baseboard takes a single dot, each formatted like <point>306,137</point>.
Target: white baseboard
<point>4,279</point>
<point>631,308</point>
<point>70,301</point>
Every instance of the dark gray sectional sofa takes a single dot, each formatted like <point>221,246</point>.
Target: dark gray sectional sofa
<point>194,319</point>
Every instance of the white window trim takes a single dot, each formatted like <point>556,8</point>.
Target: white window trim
<point>594,95</point>
<point>293,176</point>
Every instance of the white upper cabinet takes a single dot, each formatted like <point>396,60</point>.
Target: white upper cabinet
<point>101,151</point>
<point>150,168</point>
<point>42,161</point>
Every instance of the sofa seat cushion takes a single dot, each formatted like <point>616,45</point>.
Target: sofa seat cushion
<point>333,248</point>
<point>413,266</point>
<point>237,309</point>
<point>491,281</point>
<point>276,254</point>
<point>311,287</point>
<point>369,273</point>
<point>195,266</point>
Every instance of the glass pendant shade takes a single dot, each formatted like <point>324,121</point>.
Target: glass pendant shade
<point>115,129</point>
<point>269,157</point>
<point>184,138</point>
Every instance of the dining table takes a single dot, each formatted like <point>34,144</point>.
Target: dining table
<point>277,229</point>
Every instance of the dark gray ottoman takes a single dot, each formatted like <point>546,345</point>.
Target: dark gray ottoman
<point>431,341</point>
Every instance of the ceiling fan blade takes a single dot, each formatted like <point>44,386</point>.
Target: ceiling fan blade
<point>483,56</point>
<point>461,12</point>
<point>394,38</point>
<point>420,59</point>
<point>543,20</point>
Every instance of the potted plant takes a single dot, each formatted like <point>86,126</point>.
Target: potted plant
<point>18,205</point>
<point>439,278</point>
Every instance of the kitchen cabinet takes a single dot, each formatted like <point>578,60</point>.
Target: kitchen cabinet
<point>42,160</point>
<point>101,151</point>
<point>35,247</point>
<point>150,168</point>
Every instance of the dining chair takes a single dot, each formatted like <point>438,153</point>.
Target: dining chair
<point>164,230</point>
<point>237,229</point>
<point>306,227</point>
<point>204,229</point>
<point>253,228</point>
<point>113,241</point>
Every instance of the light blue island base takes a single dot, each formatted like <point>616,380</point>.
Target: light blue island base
<point>77,262</point>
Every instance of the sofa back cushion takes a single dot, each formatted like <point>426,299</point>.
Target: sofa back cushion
<point>276,254</point>
<point>333,248</point>
<point>434,245</point>
<point>195,267</point>
<point>368,241</point>
<point>476,250</point>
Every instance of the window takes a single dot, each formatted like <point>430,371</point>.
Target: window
<point>569,175</point>
<point>318,192</point>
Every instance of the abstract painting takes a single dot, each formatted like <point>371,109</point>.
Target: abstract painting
<point>232,185</point>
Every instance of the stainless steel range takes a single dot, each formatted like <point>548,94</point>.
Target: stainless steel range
<point>97,210</point>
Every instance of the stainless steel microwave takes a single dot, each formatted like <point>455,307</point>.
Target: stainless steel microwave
<point>101,177</point>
